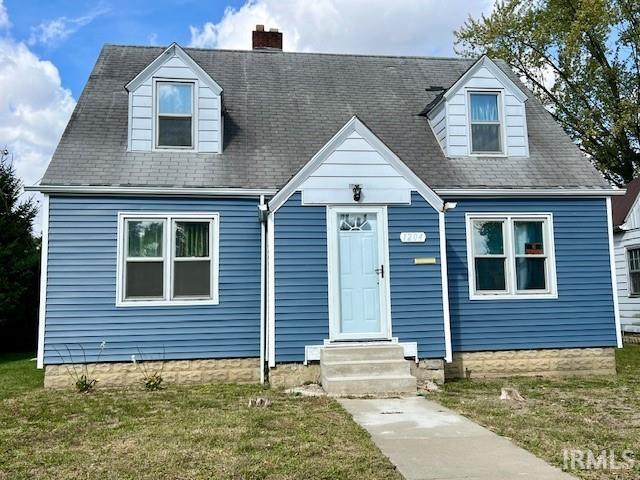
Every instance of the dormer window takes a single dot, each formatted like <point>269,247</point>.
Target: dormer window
<point>174,115</point>
<point>485,122</point>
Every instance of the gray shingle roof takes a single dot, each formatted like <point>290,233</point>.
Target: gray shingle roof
<point>281,108</point>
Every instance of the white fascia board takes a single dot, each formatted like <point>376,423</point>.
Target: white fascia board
<point>528,192</point>
<point>485,61</point>
<point>173,49</point>
<point>355,125</point>
<point>150,191</point>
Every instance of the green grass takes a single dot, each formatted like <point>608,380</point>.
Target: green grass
<point>601,413</point>
<point>18,374</point>
<point>197,432</point>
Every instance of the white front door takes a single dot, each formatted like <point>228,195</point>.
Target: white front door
<point>358,276</point>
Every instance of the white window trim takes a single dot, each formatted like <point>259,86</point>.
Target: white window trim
<point>194,115</point>
<point>501,118</point>
<point>168,258</point>
<point>630,294</point>
<point>512,293</point>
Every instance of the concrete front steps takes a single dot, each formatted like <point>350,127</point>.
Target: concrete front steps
<point>372,369</point>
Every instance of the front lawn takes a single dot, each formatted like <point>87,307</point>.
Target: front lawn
<point>574,414</point>
<point>178,433</point>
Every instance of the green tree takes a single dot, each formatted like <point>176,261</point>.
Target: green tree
<point>19,262</point>
<point>582,59</point>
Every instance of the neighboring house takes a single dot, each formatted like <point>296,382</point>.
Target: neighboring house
<point>626,237</point>
<point>250,209</point>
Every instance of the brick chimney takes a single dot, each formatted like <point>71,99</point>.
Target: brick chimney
<point>263,40</point>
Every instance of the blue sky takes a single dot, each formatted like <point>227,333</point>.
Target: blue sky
<point>48,48</point>
<point>139,23</point>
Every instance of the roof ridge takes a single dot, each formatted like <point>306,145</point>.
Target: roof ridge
<point>271,52</point>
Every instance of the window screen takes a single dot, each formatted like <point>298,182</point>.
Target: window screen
<point>485,123</point>
<point>175,114</point>
<point>192,261</point>
<point>633,259</point>
<point>144,262</point>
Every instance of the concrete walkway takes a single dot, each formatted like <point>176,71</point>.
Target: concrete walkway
<point>426,441</point>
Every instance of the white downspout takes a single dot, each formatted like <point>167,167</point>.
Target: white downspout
<point>263,271</point>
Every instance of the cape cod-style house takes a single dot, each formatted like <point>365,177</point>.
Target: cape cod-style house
<point>363,221</point>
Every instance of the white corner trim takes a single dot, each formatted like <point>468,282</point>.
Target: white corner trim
<point>527,192</point>
<point>129,122</point>
<point>510,276</point>
<point>168,218</point>
<point>173,49</point>
<point>271,291</point>
<point>614,281</point>
<point>263,296</point>
<point>44,258</point>
<point>355,125</point>
<point>445,289</point>
<point>485,61</point>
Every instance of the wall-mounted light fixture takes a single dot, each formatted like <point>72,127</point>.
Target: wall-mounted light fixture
<point>357,193</point>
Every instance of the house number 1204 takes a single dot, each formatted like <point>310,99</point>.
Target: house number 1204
<point>413,237</point>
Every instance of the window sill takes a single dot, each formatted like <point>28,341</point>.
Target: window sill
<point>488,154</point>
<point>522,296</point>
<point>175,149</point>
<point>165,303</point>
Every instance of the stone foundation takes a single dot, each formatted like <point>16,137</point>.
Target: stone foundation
<point>184,372</point>
<point>631,338</point>
<point>428,371</point>
<point>546,363</point>
<point>287,375</point>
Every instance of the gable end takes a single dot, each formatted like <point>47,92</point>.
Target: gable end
<point>355,156</point>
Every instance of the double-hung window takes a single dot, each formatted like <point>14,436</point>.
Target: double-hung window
<point>511,256</point>
<point>168,259</point>
<point>633,265</point>
<point>174,109</point>
<point>484,109</point>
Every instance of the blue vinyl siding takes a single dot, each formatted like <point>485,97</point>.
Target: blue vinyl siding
<point>81,288</point>
<point>301,290</point>
<point>416,290</point>
<point>302,308</point>
<point>581,316</point>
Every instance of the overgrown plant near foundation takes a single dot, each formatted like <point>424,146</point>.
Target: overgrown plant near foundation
<point>151,378</point>
<point>82,376</point>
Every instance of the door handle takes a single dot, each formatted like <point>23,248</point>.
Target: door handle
<point>380,271</point>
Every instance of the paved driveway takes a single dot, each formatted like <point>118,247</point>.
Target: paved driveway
<point>427,441</point>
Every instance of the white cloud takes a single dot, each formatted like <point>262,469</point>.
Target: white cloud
<point>4,18</point>
<point>401,27</point>
<point>34,109</point>
<point>59,29</point>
